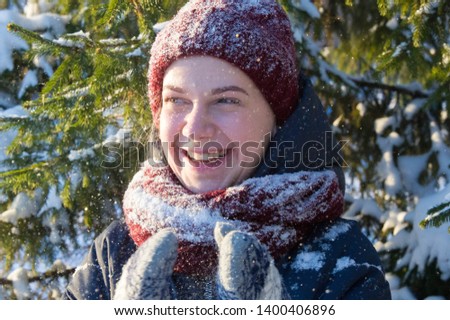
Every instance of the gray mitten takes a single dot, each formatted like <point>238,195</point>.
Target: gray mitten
<point>246,270</point>
<point>147,274</point>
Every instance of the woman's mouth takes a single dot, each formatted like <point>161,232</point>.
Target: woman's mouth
<point>205,156</point>
<point>209,159</point>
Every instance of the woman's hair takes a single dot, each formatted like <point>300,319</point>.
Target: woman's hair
<point>155,154</point>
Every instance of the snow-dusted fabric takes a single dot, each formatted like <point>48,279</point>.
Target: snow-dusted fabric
<point>255,36</point>
<point>147,273</point>
<point>98,274</point>
<point>246,270</point>
<point>277,209</point>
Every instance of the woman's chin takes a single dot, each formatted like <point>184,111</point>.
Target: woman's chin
<point>204,186</point>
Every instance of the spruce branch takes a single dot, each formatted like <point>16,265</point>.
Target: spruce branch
<point>416,93</point>
<point>48,275</point>
<point>11,121</point>
<point>59,78</point>
<point>43,165</point>
<point>437,216</point>
<point>115,7</point>
<point>138,9</point>
<point>45,46</point>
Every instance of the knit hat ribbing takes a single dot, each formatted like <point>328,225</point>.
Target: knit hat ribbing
<point>253,35</point>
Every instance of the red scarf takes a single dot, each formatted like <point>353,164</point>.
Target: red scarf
<point>278,209</point>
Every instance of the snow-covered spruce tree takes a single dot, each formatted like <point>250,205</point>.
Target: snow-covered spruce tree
<point>76,144</point>
<point>20,78</point>
<point>382,68</point>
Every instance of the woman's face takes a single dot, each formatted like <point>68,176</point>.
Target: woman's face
<point>214,123</point>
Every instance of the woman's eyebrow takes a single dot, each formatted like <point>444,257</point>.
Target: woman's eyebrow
<point>174,88</point>
<point>228,88</point>
<point>212,92</point>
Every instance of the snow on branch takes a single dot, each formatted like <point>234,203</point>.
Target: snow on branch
<point>48,275</point>
<point>436,216</point>
<point>413,90</point>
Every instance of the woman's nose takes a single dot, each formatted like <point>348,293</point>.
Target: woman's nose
<point>198,125</point>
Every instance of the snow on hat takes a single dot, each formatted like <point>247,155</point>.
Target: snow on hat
<point>253,35</point>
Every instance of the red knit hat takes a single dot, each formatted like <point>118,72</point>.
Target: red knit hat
<point>253,35</point>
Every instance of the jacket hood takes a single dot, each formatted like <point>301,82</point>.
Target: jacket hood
<point>304,142</point>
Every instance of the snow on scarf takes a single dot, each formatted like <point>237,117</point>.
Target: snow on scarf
<point>278,209</point>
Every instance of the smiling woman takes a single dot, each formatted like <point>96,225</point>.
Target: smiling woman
<point>232,215</point>
<point>210,110</point>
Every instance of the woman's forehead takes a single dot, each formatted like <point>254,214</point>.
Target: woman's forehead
<point>207,74</point>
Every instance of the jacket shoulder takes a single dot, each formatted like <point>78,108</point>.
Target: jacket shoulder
<point>101,268</point>
<point>336,261</point>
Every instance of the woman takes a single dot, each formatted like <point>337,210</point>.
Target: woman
<point>246,203</point>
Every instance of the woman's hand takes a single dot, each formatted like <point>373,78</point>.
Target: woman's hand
<point>147,274</point>
<point>246,270</point>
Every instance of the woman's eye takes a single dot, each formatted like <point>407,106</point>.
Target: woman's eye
<point>228,101</point>
<point>172,100</point>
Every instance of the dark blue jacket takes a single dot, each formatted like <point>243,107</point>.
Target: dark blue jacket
<point>336,261</point>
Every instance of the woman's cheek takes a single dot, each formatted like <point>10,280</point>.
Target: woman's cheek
<point>169,123</point>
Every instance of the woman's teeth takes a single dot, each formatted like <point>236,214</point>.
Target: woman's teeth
<point>205,156</point>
